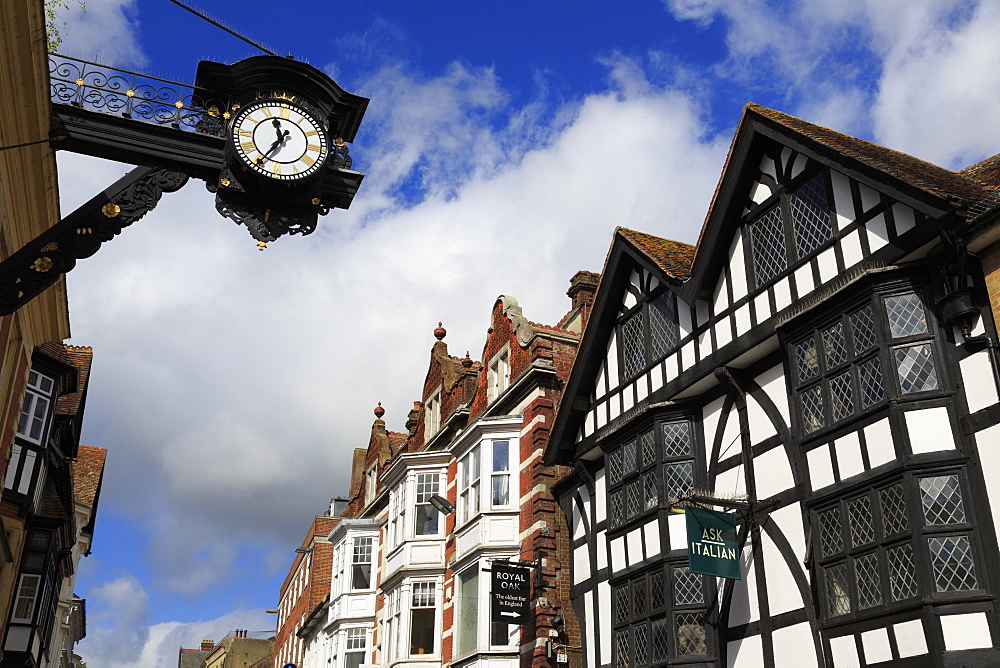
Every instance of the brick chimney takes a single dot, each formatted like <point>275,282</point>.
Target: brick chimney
<point>207,645</point>
<point>582,288</point>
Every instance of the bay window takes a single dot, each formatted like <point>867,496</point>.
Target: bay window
<point>500,476</point>
<point>425,516</point>
<point>423,618</point>
<point>355,644</point>
<point>475,630</point>
<point>36,407</point>
<point>361,563</point>
<point>492,460</point>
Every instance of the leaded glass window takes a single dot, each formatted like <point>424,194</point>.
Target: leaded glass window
<point>810,213</point>
<point>840,370</point>
<point>649,470</point>
<point>867,544</point>
<point>659,616</point>
<point>767,239</point>
<point>647,334</point>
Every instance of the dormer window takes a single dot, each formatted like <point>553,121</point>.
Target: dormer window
<point>791,229</point>
<point>498,374</point>
<point>36,408</point>
<point>432,415</point>
<point>647,334</point>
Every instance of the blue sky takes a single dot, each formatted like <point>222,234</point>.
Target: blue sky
<point>503,143</point>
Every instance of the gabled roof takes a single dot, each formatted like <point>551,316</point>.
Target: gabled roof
<point>80,358</point>
<point>88,469</point>
<point>673,257</point>
<point>936,189</point>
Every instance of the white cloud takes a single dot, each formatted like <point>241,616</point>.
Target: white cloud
<point>123,637</point>
<point>918,75</point>
<point>104,30</point>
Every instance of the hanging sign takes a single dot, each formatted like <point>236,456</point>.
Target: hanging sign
<point>712,545</point>
<point>510,593</point>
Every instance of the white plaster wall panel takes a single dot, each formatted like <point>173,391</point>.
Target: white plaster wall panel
<point>782,294</point>
<point>731,482</point>
<point>849,461</point>
<point>684,318</point>
<point>656,375</point>
<point>602,550</point>
<point>820,467</point>
<point>634,544</point>
<point>910,639</point>
<point>804,283</point>
<point>642,385</point>
<point>737,268</point>
<point>845,652</point>
<point>590,639</point>
<point>772,473</point>
<point>745,653</point>
<point>761,426</point>
<point>501,530</point>
<point>971,631</point>
<point>986,441</point>
<point>827,263</point>
<point>786,154</point>
<point>745,606</point>
<point>671,365</point>
<point>710,423</point>
<point>616,550</point>
<point>705,343</point>
<point>468,539</point>
<point>630,300</point>
<point>869,198</point>
<point>677,530</point>
<point>878,234</point>
<point>653,281</point>
<point>604,601</point>
<point>587,429</point>
<point>628,397</point>
<point>612,361</point>
<point>782,592</point>
<point>789,520</point>
<point>700,312</point>
<point>875,645</point>
<point>768,167</point>
<point>651,538</point>
<point>723,331</point>
<point>743,323</point>
<point>772,382</point>
<point>793,646</point>
<point>730,434</point>
<point>614,405</point>
<point>800,164</point>
<point>578,526</point>
<point>977,376</point>
<point>601,387</point>
<point>432,553</point>
<point>600,497</point>
<point>930,430</point>
<point>762,307</point>
<point>581,564</point>
<point>879,443</point>
<point>842,200</point>
<point>687,355</point>
<point>720,298</point>
<point>601,415</point>
<point>903,217</point>
<point>850,247</point>
<point>584,495</point>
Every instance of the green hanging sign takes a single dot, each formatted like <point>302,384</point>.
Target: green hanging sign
<point>712,545</point>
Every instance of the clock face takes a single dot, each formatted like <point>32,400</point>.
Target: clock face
<point>279,140</point>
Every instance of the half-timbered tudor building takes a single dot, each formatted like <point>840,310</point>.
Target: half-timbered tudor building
<point>410,584</point>
<point>826,355</point>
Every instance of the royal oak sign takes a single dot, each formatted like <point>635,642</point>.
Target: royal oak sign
<point>511,592</point>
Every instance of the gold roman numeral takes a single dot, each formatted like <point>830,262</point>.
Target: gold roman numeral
<point>248,146</point>
<point>313,147</point>
<point>284,112</point>
<point>308,160</point>
<point>276,167</point>
<point>311,133</point>
<point>244,133</point>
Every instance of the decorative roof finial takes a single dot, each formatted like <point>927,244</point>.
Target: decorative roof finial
<point>379,411</point>
<point>439,332</point>
<point>467,362</point>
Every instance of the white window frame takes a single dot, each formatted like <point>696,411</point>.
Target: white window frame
<point>371,484</point>
<point>498,374</point>
<point>478,465</point>
<point>421,502</point>
<point>356,545</point>
<point>415,589</point>
<point>346,641</point>
<point>432,415</point>
<point>36,408</point>
<point>23,597</point>
<point>484,630</point>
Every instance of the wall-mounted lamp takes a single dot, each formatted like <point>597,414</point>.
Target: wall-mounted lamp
<point>303,550</point>
<point>442,504</point>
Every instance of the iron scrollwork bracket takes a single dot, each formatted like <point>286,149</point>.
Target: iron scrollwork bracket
<point>41,262</point>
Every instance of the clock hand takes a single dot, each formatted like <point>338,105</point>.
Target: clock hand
<point>277,142</point>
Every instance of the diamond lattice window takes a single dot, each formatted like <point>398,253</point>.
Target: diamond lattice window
<point>810,214</point>
<point>767,238</point>
<point>915,367</point>
<point>648,334</point>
